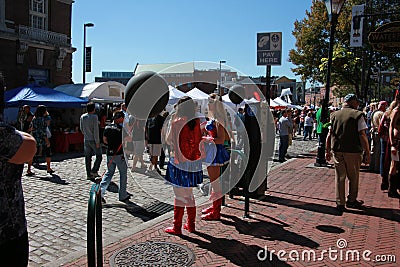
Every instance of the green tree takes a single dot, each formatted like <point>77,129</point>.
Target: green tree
<point>312,44</point>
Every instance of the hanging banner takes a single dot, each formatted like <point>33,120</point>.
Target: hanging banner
<point>88,59</point>
<point>356,34</point>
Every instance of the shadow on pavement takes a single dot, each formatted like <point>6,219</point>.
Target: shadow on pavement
<point>302,205</point>
<point>145,213</point>
<point>330,229</point>
<point>57,157</point>
<point>235,251</point>
<point>54,179</point>
<point>295,195</point>
<point>113,187</point>
<point>388,214</point>
<point>268,230</point>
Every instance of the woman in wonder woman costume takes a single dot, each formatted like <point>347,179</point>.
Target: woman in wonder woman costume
<point>216,154</point>
<point>184,169</point>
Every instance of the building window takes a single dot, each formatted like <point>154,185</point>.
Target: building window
<point>38,14</point>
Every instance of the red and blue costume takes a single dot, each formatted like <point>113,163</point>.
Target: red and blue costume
<point>185,168</point>
<point>216,154</point>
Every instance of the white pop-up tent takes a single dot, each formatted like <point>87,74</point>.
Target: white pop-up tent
<point>174,94</point>
<point>200,97</point>
<point>197,94</point>
<point>282,103</point>
<point>228,102</point>
<point>103,92</point>
<point>286,91</point>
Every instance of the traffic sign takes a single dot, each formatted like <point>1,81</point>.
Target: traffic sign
<point>269,48</point>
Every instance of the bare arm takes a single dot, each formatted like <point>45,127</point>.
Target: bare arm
<point>26,151</point>
<point>168,134</point>
<point>220,134</point>
<point>393,118</point>
<point>328,153</point>
<point>365,146</point>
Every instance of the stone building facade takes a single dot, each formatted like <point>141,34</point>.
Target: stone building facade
<point>35,42</point>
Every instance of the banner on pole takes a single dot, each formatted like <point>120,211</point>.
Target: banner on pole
<point>88,59</point>
<point>356,33</point>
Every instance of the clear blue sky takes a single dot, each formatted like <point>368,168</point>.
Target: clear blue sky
<point>127,32</point>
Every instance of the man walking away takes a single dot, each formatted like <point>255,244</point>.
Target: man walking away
<point>89,124</point>
<point>347,140</point>
<point>115,157</point>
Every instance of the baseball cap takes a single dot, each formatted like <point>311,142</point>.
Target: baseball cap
<point>350,97</point>
<point>118,114</point>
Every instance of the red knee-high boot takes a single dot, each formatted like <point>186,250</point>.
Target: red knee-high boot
<point>191,216</point>
<point>210,208</point>
<point>179,209</point>
<point>216,213</point>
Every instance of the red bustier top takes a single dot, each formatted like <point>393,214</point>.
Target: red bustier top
<point>188,140</point>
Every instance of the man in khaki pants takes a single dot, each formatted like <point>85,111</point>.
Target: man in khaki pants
<point>347,140</point>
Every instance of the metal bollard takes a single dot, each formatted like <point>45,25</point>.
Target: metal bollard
<point>94,228</point>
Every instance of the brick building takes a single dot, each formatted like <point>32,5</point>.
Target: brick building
<point>35,42</point>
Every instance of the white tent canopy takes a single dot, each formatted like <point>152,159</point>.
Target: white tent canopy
<point>197,94</point>
<point>98,91</point>
<point>286,91</point>
<point>274,104</point>
<point>200,97</point>
<point>283,103</point>
<point>175,93</point>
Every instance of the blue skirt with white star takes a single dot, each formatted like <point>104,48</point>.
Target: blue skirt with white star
<point>184,174</point>
<point>216,155</point>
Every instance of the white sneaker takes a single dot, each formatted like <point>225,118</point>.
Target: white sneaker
<point>203,189</point>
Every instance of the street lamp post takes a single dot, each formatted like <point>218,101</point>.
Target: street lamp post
<point>84,50</point>
<point>220,77</point>
<point>333,7</point>
<point>379,80</point>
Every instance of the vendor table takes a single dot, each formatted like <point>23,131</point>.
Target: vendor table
<point>61,141</point>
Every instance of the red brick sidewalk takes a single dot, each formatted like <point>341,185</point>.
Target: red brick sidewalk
<point>297,214</point>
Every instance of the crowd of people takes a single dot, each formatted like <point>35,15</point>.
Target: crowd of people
<point>370,136</point>
<point>290,123</point>
<point>356,135</point>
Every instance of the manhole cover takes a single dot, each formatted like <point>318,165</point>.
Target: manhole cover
<point>153,254</point>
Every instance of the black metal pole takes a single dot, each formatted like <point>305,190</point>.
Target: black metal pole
<point>268,84</point>
<point>84,55</point>
<point>2,100</point>
<point>320,160</point>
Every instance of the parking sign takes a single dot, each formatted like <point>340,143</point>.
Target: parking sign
<point>269,48</point>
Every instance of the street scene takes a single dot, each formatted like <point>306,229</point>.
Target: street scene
<point>199,133</point>
<point>56,207</point>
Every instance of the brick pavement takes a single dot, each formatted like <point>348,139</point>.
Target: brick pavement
<point>297,214</point>
<point>56,207</point>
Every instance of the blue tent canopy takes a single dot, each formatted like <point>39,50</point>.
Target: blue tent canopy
<point>35,95</point>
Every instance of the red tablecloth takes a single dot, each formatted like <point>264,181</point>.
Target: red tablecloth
<point>61,141</point>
